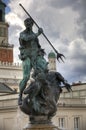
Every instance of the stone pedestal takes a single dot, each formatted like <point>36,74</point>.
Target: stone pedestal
<point>40,123</point>
<point>41,127</point>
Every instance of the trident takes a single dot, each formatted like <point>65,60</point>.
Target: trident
<point>59,55</point>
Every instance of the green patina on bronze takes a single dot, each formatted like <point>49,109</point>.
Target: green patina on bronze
<point>31,54</point>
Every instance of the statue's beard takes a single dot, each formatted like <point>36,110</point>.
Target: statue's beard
<point>29,28</point>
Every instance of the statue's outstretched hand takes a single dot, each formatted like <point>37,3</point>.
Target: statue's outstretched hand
<point>68,87</point>
<point>40,30</point>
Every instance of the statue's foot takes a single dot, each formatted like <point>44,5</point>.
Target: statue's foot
<point>20,101</point>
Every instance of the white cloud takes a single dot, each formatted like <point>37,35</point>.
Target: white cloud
<point>14,20</point>
<point>75,66</point>
<point>77,48</point>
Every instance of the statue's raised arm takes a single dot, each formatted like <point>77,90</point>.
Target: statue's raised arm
<point>59,55</point>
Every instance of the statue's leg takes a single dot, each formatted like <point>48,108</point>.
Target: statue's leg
<point>26,76</point>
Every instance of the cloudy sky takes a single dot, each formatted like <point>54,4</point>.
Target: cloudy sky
<point>63,22</point>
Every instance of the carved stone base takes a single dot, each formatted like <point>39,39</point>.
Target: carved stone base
<point>39,119</point>
<point>41,127</point>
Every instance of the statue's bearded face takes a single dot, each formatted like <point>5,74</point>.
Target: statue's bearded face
<point>28,23</point>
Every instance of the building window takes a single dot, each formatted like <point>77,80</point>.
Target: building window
<point>83,93</point>
<point>67,95</point>
<point>2,32</point>
<point>76,94</point>
<point>0,15</point>
<point>61,122</point>
<point>76,123</point>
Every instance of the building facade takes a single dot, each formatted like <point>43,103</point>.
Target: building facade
<point>6,49</point>
<point>10,73</point>
<point>71,111</point>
